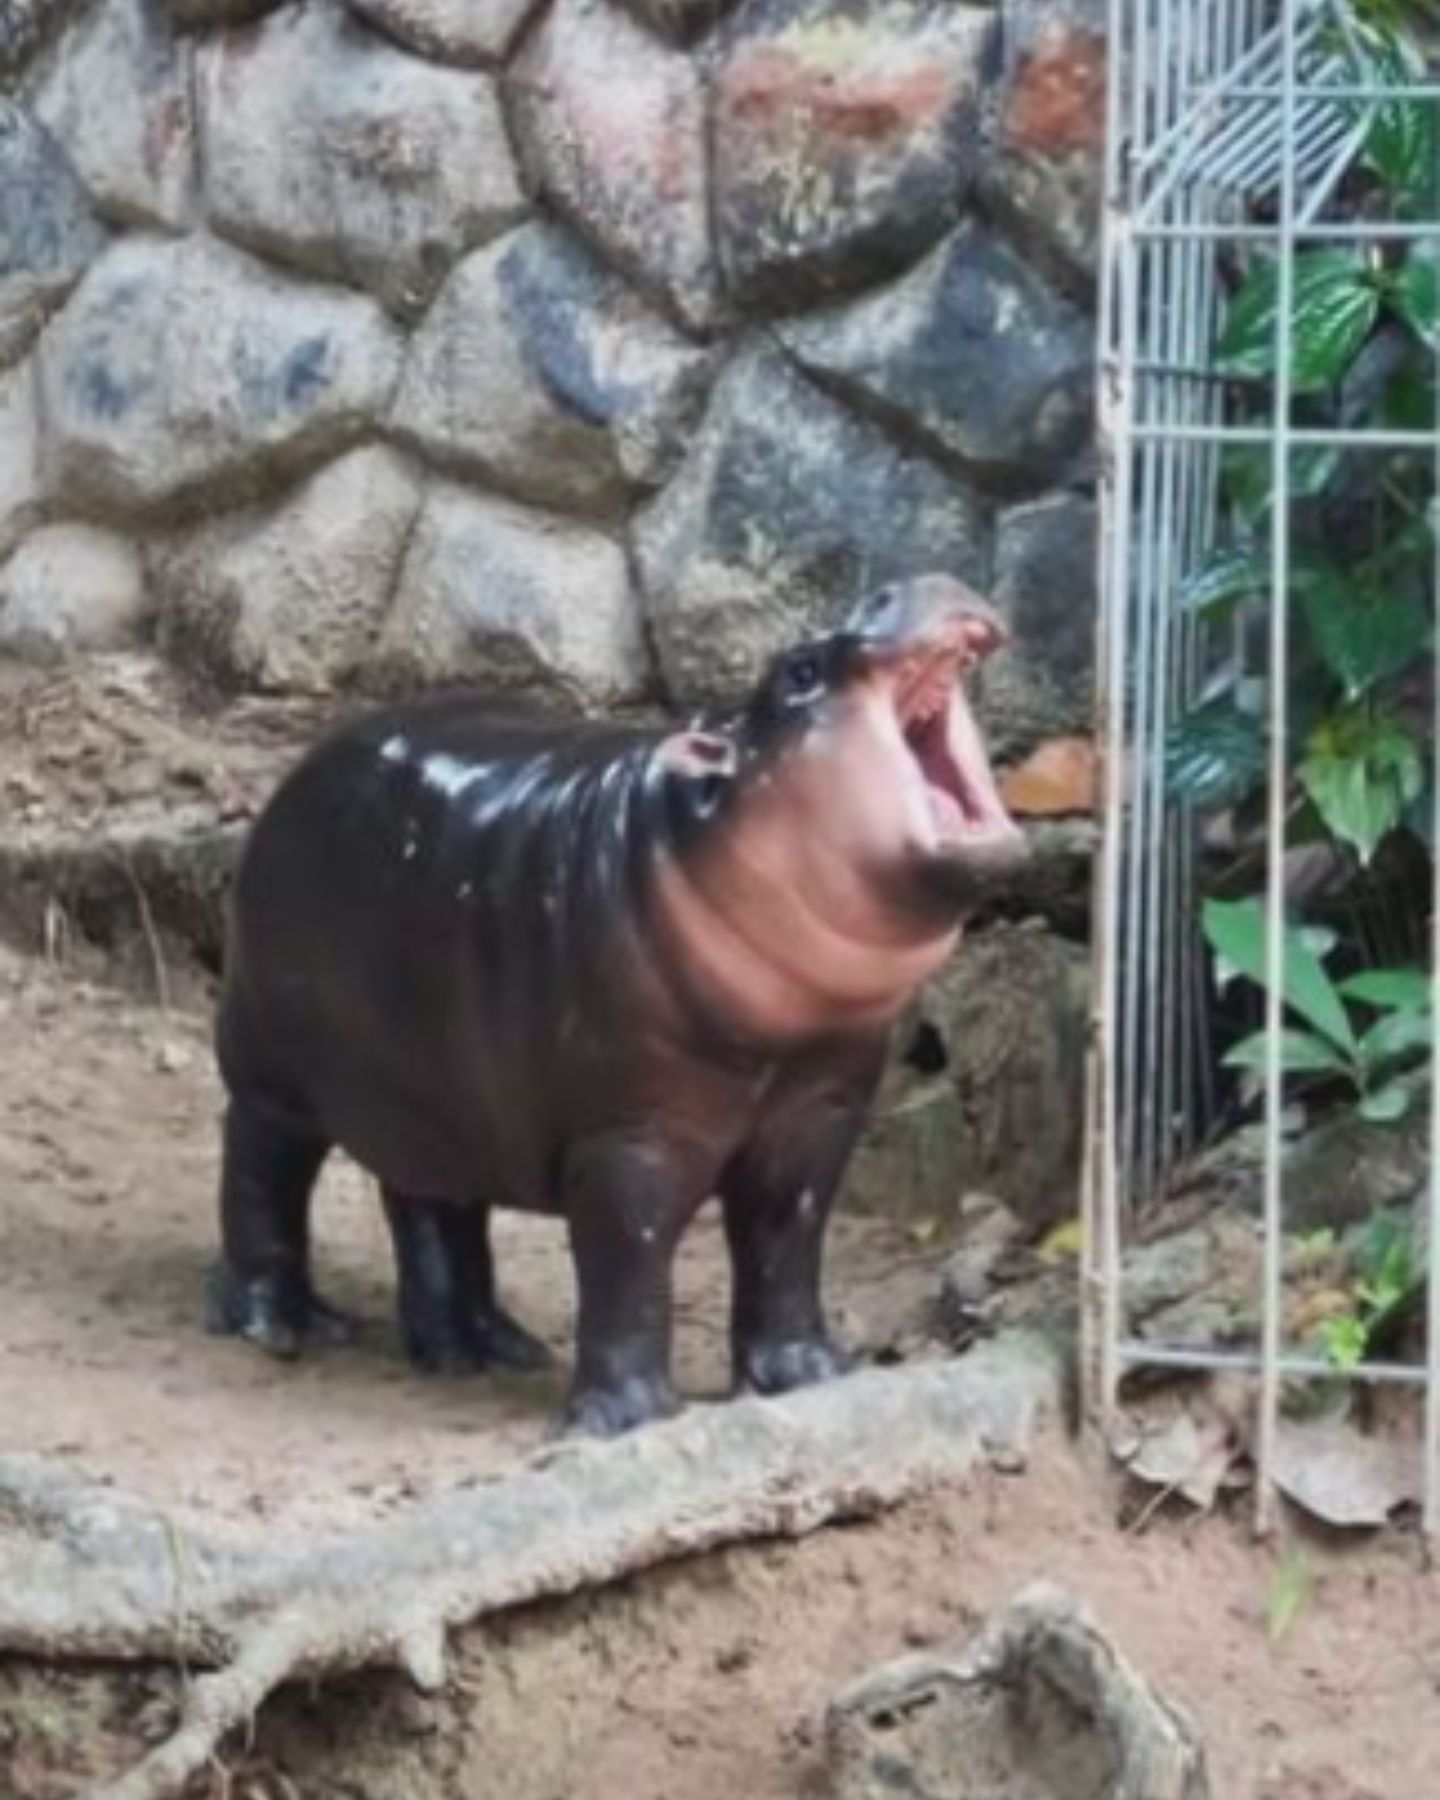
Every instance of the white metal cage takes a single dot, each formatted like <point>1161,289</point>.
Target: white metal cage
<point>1234,128</point>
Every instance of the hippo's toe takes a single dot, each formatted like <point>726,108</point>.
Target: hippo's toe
<point>609,1411</point>
<point>278,1315</point>
<point>776,1366</point>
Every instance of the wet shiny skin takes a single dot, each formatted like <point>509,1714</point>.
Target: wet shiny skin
<point>602,973</point>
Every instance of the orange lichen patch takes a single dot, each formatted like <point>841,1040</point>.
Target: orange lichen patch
<point>865,104</point>
<point>1057,106</point>
<point>1062,776</point>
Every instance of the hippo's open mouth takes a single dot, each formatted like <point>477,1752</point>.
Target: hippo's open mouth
<point>943,740</point>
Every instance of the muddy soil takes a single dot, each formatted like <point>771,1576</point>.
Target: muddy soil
<point>694,1683</point>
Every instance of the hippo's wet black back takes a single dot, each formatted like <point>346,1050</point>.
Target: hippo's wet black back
<point>431,914</point>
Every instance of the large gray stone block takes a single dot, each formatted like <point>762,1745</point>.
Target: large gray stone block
<point>179,368</point>
<point>1045,589</point>
<point>469,32</point>
<point>845,138</point>
<point>48,234</point>
<point>972,350</point>
<point>292,596</point>
<point>119,97</point>
<point>70,587</point>
<point>542,372</point>
<point>611,126</point>
<point>513,601</point>
<point>327,147</point>
<point>786,510</point>
<point>20,484</point>
<point>1043,169</point>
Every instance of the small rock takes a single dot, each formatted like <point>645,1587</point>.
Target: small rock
<point>50,235</point>
<point>513,600</point>
<point>290,597</point>
<point>974,353</point>
<point>845,138</point>
<point>1040,1706</point>
<point>173,1058</point>
<point>178,368</point>
<point>392,168</point>
<point>540,371</point>
<point>119,99</point>
<point>787,509</point>
<point>1057,779</point>
<point>67,588</point>
<point>630,177</point>
<point>450,31</point>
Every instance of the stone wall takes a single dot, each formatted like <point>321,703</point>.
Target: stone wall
<point>577,347</point>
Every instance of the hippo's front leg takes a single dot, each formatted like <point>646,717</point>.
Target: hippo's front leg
<point>778,1195</point>
<point>627,1200</point>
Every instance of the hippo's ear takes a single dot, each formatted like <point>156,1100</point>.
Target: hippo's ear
<point>699,756</point>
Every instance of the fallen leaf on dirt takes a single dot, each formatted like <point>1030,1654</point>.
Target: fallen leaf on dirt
<point>1187,1454</point>
<point>1060,777</point>
<point>1062,1242</point>
<point>1343,1475</point>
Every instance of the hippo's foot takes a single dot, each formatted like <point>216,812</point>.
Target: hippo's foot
<point>775,1365</point>
<point>489,1338</point>
<point>280,1314</point>
<point>606,1412</point>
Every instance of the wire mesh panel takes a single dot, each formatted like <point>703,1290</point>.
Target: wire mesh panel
<point>1263,942</point>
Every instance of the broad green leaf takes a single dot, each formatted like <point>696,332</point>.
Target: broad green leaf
<point>1362,633</point>
<point>1344,1340</point>
<point>1213,754</point>
<point>1415,294</point>
<point>1247,470</point>
<point>1334,303</point>
<point>1397,1035</point>
<point>1236,931</point>
<point>1386,1104</point>
<point>1301,1053</point>
<point>1405,990</point>
<point>1362,771</point>
<point>1222,581</point>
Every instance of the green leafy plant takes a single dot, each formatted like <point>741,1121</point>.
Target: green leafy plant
<point>1366,1030</point>
<point>1387,1275</point>
<point>1364,326</point>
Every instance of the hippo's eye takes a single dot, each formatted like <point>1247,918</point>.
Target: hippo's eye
<point>804,678</point>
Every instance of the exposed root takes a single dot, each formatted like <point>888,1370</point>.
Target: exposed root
<point>88,1573</point>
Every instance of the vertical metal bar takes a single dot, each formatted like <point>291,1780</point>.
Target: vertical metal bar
<point>1278,771</point>
<point>1430,1520</point>
<point>1100,1267</point>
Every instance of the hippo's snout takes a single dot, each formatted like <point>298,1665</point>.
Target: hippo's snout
<point>925,609</point>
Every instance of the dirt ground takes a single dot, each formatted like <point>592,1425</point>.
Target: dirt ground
<point>694,1683</point>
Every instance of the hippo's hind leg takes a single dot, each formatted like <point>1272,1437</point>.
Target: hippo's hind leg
<point>778,1194</point>
<point>450,1319</point>
<point>261,1287</point>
